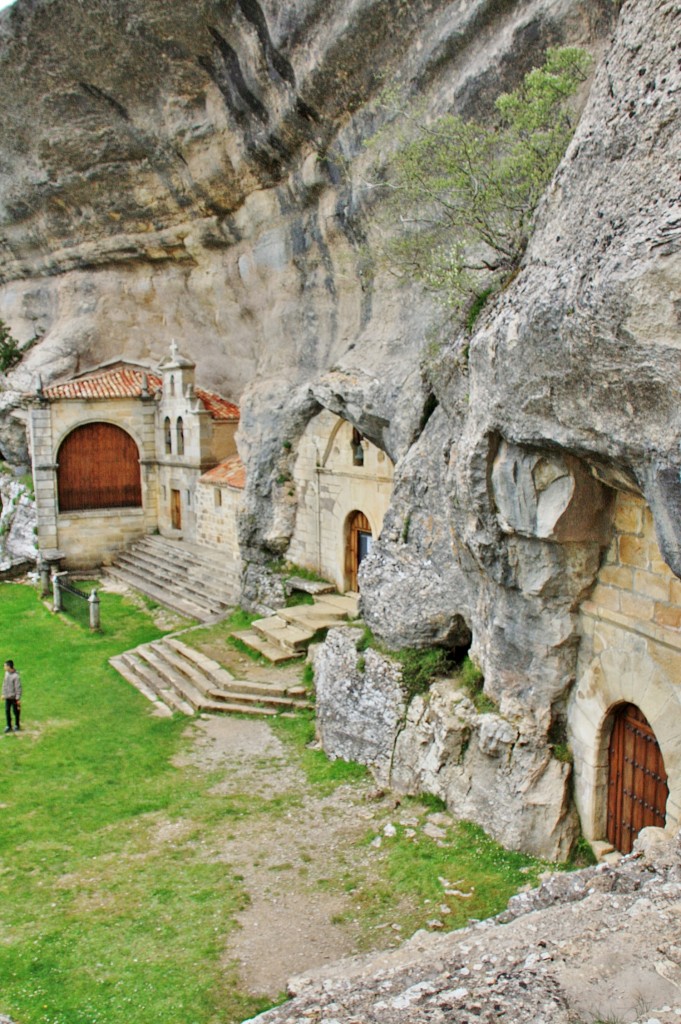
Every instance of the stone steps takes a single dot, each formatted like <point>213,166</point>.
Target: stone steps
<point>271,651</point>
<point>186,681</point>
<point>288,634</point>
<point>196,587</point>
<point>184,577</point>
<point>161,593</point>
<point>198,565</point>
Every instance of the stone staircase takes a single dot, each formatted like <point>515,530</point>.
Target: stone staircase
<point>175,677</point>
<point>287,634</point>
<point>188,578</point>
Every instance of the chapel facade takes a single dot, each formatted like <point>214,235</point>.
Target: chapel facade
<point>118,452</point>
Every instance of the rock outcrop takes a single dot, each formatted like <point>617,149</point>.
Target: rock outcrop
<point>17,524</point>
<point>489,768</point>
<point>579,948</point>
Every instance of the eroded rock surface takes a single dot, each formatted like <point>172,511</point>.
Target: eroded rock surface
<point>578,948</point>
<point>493,769</point>
<point>17,523</point>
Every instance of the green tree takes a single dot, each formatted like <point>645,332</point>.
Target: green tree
<point>10,353</point>
<point>464,193</point>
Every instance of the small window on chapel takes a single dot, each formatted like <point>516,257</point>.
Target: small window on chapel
<point>218,497</point>
<point>180,436</point>
<point>357,449</point>
<point>167,435</point>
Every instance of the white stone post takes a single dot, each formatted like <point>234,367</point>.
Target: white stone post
<point>93,601</point>
<point>56,591</point>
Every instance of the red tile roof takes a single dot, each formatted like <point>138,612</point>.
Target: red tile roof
<point>121,382</point>
<point>230,471</point>
<point>126,382</point>
<point>219,408</point>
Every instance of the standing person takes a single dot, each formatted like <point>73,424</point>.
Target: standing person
<point>11,693</point>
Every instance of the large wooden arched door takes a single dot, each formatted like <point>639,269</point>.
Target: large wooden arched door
<point>358,545</point>
<point>99,467</point>
<point>637,783</point>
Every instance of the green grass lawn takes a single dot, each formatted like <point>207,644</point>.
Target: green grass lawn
<point>102,920</point>
<point>113,907</point>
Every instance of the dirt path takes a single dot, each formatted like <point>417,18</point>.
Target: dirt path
<point>301,865</point>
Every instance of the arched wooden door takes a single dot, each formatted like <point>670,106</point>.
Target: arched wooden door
<point>357,547</point>
<point>637,783</point>
<point>99,467</point>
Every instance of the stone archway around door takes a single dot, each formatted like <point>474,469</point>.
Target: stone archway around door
<point>622,675</point>
<point>637,779</point>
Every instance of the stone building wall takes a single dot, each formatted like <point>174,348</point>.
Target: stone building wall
<point>92,537</point>
<point>630,653</point>
<point>205,442</point>
<point>216,516</point>
<point>329,487</point>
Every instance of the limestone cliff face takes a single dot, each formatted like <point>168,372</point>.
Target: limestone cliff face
<point>196,170</point>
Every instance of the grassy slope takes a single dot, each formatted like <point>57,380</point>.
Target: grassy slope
<point>112,908</point>
<point>101,920</point>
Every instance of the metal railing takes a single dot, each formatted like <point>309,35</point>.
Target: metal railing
<point>69,599</point>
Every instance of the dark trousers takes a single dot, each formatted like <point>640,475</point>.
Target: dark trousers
<point>12,702</point>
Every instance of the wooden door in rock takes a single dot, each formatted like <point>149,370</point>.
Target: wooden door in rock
<point>358,546</point>
<point>175,510</point>
<point>637,783</point>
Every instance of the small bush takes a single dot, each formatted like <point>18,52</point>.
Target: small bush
<point>582,856</point>
<point>366,640</point>
<point>307,675</point>
<point>10,353</point>
<point>562,752</point>
<point>421,667</point>
<point>476,309</point>
<point>473,681</point>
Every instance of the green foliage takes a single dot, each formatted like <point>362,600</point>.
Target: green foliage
<point>289,569</point>
<point>366,640</point>
<point>470,190</point>
<point>10,353</point>
<point>468,859</point>
<point>582,856</point>
<point>129,924</point>
<point>307,676</point>
<point>473,681</point>
<point>298,597</point>
<point>435,804</point>
<point>421,666</point>
<point>324,775</point>
<point>476,309</point>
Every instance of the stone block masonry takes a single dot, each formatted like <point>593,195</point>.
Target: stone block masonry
<point>630,653</point>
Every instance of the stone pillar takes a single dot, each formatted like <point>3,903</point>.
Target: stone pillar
<point>93,602</point>
<point>44,578</point>
<point>56,591</point>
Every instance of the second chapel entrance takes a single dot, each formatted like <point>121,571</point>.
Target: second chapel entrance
<point>637,779</point>
<point>359,539</point>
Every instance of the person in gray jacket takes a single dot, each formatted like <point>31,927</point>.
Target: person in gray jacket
<point>11,694</point>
